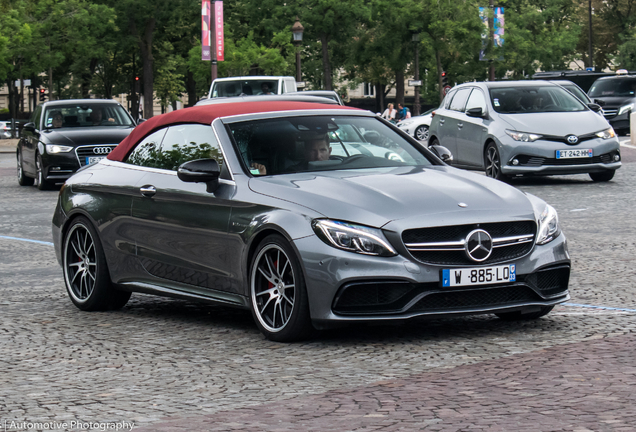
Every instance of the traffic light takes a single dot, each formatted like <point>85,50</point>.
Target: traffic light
<point>444,79</point>
<point>42,95</point>
<point>136,84</point>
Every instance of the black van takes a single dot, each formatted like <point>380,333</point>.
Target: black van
<point>617,96</point>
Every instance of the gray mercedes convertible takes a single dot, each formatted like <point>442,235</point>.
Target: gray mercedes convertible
<point>310,215</point>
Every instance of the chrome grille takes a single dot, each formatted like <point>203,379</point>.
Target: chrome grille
<point>82,152</point>
<point>446,245</point>
<point>608,112</point>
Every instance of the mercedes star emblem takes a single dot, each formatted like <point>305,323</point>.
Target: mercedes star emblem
<point>478,245</point>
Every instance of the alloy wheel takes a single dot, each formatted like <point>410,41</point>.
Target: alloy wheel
<point>80,263</point>
<point>493,165</point>
<point>421,133</point>
<point>273,287</point>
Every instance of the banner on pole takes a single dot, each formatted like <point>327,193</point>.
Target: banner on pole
<point>205,31</point>
<point>498,32</point>
<point>218,30</point>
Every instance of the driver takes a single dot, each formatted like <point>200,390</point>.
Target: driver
<point>97,115</point>
<point>317,148</point>
<point>57,119</point>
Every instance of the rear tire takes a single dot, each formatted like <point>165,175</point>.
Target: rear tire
<point>602,176</point>
<point>278,293</point>
<point>86,272</point>
<point>23,179</point>
<point>518,316</point>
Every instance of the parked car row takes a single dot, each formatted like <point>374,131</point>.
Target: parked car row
<point>312,214</point>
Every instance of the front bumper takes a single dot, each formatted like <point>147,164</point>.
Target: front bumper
<point>346,287</point>
<point>58,167</point>
<point>539,157</point>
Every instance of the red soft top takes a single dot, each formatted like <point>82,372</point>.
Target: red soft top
<point>205,114</point>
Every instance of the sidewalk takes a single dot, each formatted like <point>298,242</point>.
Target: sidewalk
<point>8,145</point>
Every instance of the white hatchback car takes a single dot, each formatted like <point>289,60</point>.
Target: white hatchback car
<point>417,126</point>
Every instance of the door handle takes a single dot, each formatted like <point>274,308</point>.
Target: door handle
<point>148,191</point>
<point>460,125</point>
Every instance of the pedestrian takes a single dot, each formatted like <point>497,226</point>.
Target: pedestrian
<point>402,113</point>
<point>389,113</point>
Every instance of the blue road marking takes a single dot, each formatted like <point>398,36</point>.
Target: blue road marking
<point>598,307</point>
<point>27,240</point>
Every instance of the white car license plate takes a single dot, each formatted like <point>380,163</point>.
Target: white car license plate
<point>571,154</point>
<point>479,275</point>
<point>93,159</point>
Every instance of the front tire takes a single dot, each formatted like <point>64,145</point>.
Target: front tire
<point>492,162</point>
<point>23,179</point>
<point>39,166</point>
<point>421,133</point>
<point>602,176</point>
<point>85,270</point>
<point>278,294</point>
<point>518,316</point>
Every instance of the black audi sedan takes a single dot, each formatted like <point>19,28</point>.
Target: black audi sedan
<point>64,135</point>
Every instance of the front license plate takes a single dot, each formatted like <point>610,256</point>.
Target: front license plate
<point>479,275</point>
<point>93,159</point>
<point>572,154</point>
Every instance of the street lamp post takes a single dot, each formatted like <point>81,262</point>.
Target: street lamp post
<point>416,105</point>
<point>297,31</point>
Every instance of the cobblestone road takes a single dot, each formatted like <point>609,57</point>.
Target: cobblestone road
<point>170,365</point>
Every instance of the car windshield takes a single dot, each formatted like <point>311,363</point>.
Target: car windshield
<point>619,87</point>
<point>534,99</point>
<point>321,143</point>
<point>244,88</point>
<point>86,115</point>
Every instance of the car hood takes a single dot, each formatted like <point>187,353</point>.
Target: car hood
<point>412,196</point>
<point>558,124</point>
<point>614,101</point>
<point>82,136</point>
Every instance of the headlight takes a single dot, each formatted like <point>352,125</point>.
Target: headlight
<point>548,226</point>
<point>606,134</point>
<point>353,238</point>
<point>52,148</point>
<point>625,108</point>
<point>523,136</point>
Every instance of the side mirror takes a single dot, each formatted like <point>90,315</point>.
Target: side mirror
<point>29,127</point>
<point>599,102</point>
<point>442,152</point>
<point>594,107</point>
<point>200,171</point>
<point>475,112</point>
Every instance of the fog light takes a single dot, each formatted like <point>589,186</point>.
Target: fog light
<point>617,158</point>
<point>515,161</point>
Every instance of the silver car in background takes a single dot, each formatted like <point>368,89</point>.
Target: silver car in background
<point>516,128</point>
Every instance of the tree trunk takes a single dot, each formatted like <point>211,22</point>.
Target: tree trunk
<point>145,46</point>
<point>11,98</point>
<point>438,61</point>
<point>379,98</point>
<point>399,87</point>
<point>324,40</point>
<point>191,87</point>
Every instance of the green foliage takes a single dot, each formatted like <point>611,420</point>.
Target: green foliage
<point>154,157</point>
